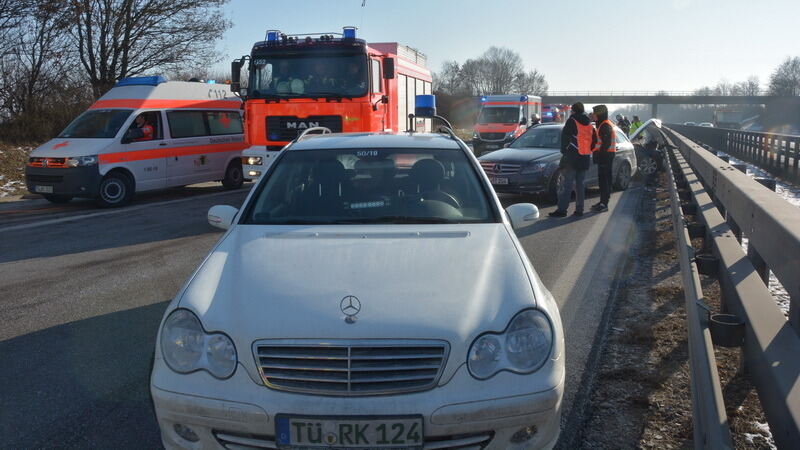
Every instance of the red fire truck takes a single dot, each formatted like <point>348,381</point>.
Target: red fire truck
<point>335,81</point>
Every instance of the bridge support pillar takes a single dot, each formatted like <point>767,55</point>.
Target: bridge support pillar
<point>654,111</point>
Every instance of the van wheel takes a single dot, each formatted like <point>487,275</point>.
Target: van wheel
<point>116,190</point>
<point>234,177</point>
<point>57,199</point>
<point>623,178</point>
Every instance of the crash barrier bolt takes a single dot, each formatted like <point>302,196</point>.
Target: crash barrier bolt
<point>689,209</point>
<point>727,330</point>
<point>741,167</point>
<point>696,230</point>
<point>769,183</point>
<point>707,265</point>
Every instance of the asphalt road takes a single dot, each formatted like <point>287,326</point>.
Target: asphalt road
<point>82,292</point>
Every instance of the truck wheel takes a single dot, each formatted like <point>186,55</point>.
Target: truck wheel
<point>234,177</point>
<point>116,190</point>
<point>57,199</point>
<point>623,178</point>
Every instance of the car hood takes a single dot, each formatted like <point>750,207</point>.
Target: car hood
<point>522,155</point>
<point>66,147</point>
<point>446,282</point>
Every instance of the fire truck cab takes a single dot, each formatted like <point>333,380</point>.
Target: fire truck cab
<point>501,119</point>
<point>335,81</point>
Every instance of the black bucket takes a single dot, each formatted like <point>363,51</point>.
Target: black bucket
<point>696,230</point>
<point>707,265</point>
<point>689,209</point>
<point>727,330</point>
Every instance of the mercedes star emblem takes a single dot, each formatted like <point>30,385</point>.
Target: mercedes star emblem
<point>350,306</point>
<point>496,168</point>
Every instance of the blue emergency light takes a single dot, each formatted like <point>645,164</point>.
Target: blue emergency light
<point>549,114</point>
<point>524,98</point>
<point>483,99</point>
<point>211,82</point>
<point>349,32</point>
<point>272,35</point>
<point>425,106</point>
<point>141,81</point>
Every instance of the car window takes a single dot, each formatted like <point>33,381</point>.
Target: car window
<point>371,186</point>
<point>541,137</point>
<point>621,138</point>
<point>224,122</point>
<point>186,123</point>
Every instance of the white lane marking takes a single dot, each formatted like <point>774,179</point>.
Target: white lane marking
<point>115,211</point>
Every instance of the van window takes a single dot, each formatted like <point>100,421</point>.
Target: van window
<point>376,75</point>
<point>187,123</point>
<point>224,122</point>
<point>97,123</point>
<point>150,119</point>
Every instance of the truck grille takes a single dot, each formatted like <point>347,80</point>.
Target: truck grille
<point>352,368</point>
<point>493,136</point>
<point>495,168</point>
<point>286,128</point>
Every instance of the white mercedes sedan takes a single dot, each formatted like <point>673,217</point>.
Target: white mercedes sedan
<point>370,293</point>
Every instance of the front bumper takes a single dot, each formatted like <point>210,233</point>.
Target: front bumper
<point>69,181</point>
<point>517,183</point>
<point>463,412</point>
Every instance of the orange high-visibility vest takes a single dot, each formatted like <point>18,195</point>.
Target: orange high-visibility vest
<point>612,148</point>
<point>584,138</point>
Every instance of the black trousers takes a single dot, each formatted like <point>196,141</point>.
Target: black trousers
<point>604,177</point>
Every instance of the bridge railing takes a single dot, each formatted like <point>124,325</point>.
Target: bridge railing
<point>775,153</point>
<point>726,201</point>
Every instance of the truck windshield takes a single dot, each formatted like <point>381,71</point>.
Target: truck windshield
<point>97,123</point>
<point>309,76</point>
<point>499,115</point>
<point>371,186</point>
<point>539,137</point>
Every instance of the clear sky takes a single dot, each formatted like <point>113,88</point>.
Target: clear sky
<point>672,45</point>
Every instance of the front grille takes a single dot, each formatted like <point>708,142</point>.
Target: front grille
<point>286,128</point>
<point>240,441</point>
<point>45,178</point>
<point>493,136</point>
<point>495,168</point>
<point>352,368</point>
<point>47,162</point>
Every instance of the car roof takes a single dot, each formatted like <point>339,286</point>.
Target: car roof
<point>374,140</point>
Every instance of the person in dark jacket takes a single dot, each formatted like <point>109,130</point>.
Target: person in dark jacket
<point>578,138</point>
<point>623,124</point>
<point>603,155</point>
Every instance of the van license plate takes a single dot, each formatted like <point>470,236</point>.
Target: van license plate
<point>43,189</point>
<point>295,433</point>
<point>498,180</point>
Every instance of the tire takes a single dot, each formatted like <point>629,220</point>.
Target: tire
<point>116,189</point>
<point>57,199</point>
<point>556,180</point>
<point>234,175</point>
<point>623,177</point>
<point>648,165</point>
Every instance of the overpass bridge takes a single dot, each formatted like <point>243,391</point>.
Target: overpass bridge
<point>656,98</point>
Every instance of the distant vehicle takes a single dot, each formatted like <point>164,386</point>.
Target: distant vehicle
<point>692,124</point>
<point>650,144</point>
<point>728,117</point>
<point>555,113</point>
<point>706,124</point>
<point>501,119</point>
<point>345,308</point>
<point>193,134</point>
<point>530,164</point>
<point>338,82</point>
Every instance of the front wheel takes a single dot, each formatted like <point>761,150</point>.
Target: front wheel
<point>57,199</point>
<point>234,176</point>
<point>116,190</point>
<point>623,178</point>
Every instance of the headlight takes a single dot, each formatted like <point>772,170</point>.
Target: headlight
<point>187,347</point>
<point>510,134</point>
<point>534,168</point>
<point>252,160</point>
<point>82,161</point>
<point>476,135</point>
<point>522,348</point>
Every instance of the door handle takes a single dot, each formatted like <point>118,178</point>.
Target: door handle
<point>162,144</point>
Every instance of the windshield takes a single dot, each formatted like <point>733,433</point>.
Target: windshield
<point>499,115</point>
<point>386,186</point>
<point>97,123</point>
<point>343,75</point>
<point>542,137</point>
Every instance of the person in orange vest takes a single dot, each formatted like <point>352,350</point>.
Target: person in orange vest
<point>578,138</point>
<point>603,154</point>
<point>146,129</point>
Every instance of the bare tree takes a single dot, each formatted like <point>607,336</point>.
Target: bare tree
<point>532,82</point>
<point>120,38</point>
<point>785,80</point>
<point>449,80</point>
<point>750,87</point>
<point>12,12</point>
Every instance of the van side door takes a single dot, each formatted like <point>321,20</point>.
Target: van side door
<point>186,160</point>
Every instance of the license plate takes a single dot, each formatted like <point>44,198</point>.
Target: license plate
<point>498,180</point>
<point>43,189</point>
<point>492,147</point>
<point>295,432</point>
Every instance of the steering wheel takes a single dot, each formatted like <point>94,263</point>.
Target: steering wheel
<point>443,197</point>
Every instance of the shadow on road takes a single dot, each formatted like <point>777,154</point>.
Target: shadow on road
<point>83,384</point>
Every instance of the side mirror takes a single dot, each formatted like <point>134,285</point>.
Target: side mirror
<point>236,68</point>
<point>221,216</point>
<point>523,121</point>
<point>388,68</point>
<point>522,214</point>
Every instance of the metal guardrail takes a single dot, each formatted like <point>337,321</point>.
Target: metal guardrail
<point>710,421</point>
<point>771,343</point>
<point>776,153</point>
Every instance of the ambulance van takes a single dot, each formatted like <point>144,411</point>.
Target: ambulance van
<point>145,134</point>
